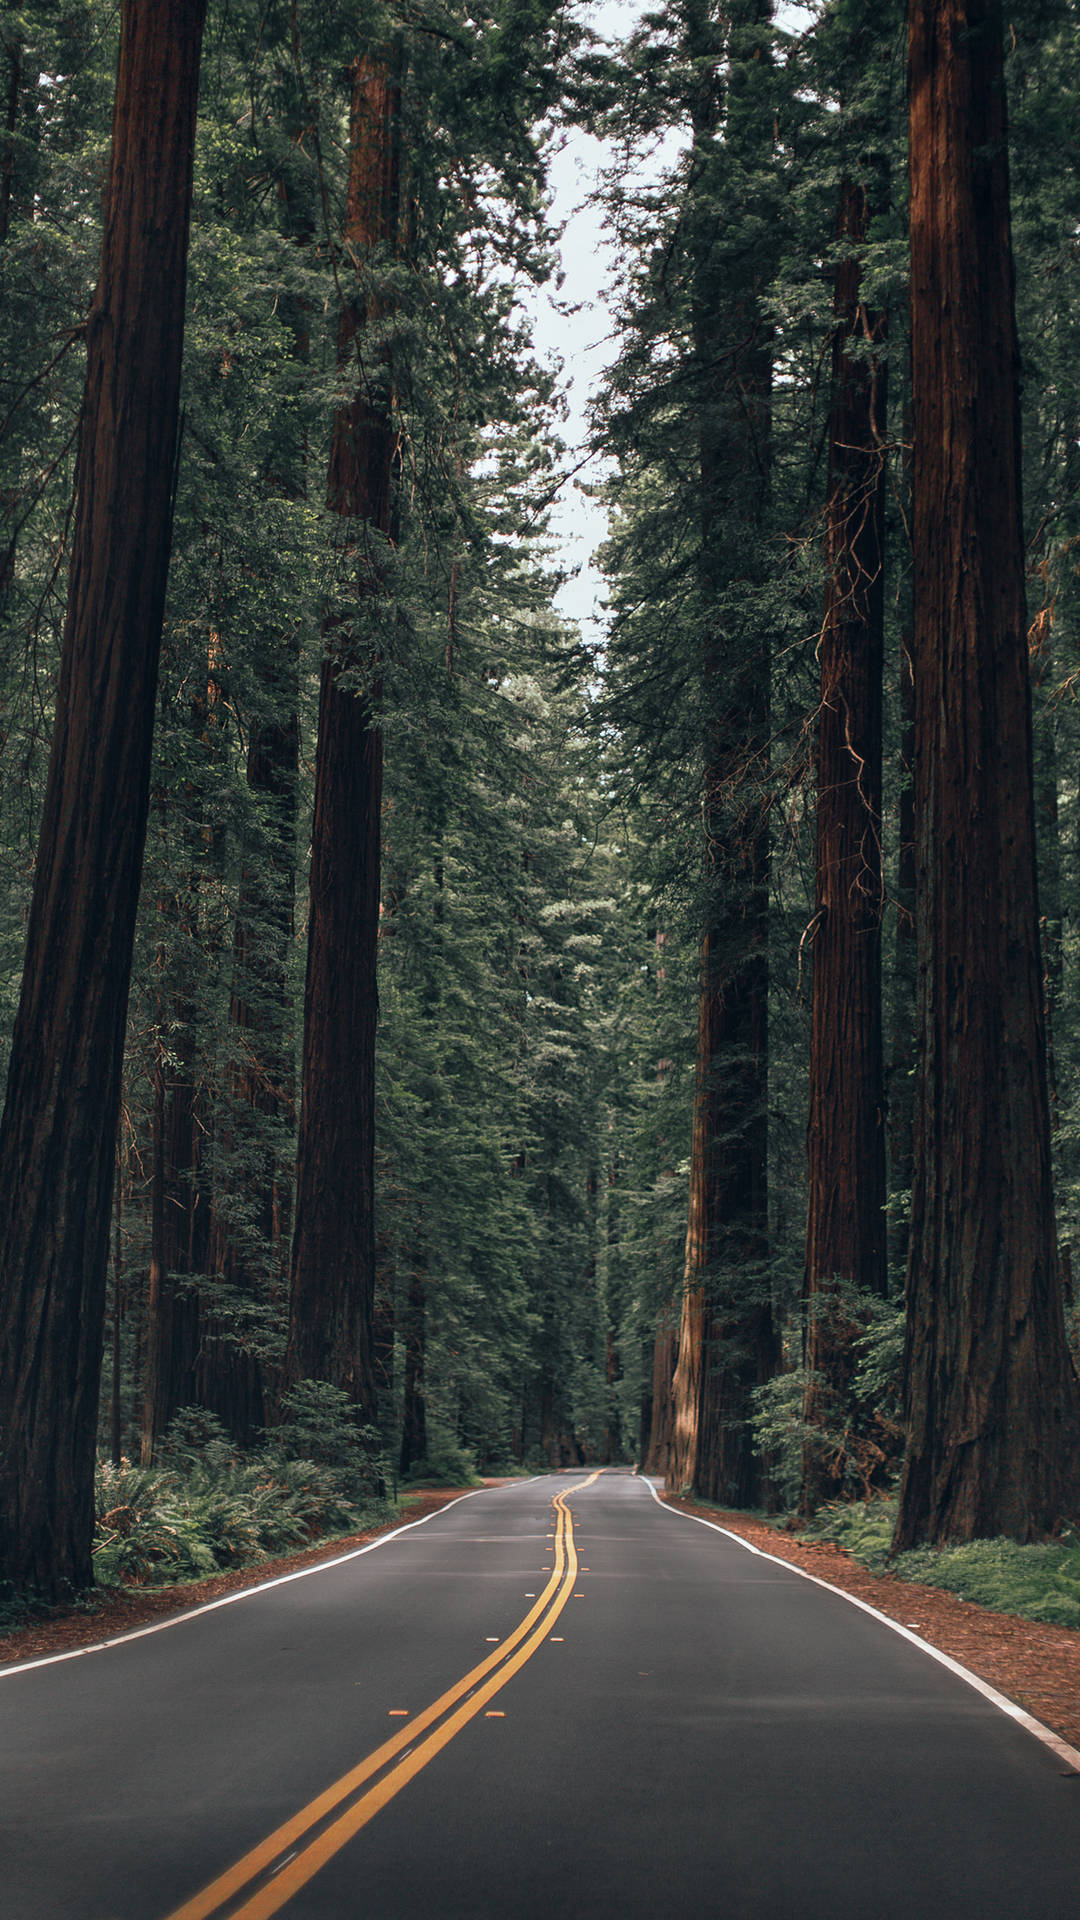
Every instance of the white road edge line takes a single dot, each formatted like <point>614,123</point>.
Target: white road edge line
<point>1026,1720</point>
<point>245,1593</point>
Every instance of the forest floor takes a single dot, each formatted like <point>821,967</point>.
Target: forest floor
<point>1035,1665</point>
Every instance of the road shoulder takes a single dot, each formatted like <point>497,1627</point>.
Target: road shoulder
<point>1037,1666</point>
<point>112,1612</point>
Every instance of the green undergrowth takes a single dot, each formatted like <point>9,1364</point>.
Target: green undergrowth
<point>445,1464</point>
<point>1040,1582</point>
<point>203,1508</point>
<point>162,1528</point>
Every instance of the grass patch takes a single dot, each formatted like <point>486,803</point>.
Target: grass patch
<point>1040,1582</point>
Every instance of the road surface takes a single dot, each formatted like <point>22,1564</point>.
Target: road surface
<point>553,1699</point>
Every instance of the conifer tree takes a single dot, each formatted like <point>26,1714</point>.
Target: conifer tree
<point>992,1400</point>
<point>726,1342</point>
<point>333,1271</point>
<point>845,1234</point>
<point>58,1132</point>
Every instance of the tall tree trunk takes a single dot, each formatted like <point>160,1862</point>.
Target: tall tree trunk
<point>902,1048</point>
<point>57,1140</point>
<point>726,1341</point>
<point>333,1271</point>
<point>176,1237</point>
<point>116,1428</point>
<point>230,1377</point>
<point>1048,835</point>
<point>658,1414</point>
<point>614,1315</point>
<point>14,52</point>
<point>845,1227</point>
<point>235,1377</point>
<point>181,1224</point>
<point>659,1359</point>
<point>992,1400</point>
<point>414,1423</point>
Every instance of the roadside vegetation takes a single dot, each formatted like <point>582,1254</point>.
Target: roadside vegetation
<point>206,1508</point>
<point>1040,1581</point>
<point>858,1440</point>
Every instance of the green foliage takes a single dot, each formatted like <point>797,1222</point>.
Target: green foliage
<point>161,1526</point>
<point>136,1537</point>
<point>319,1425</point>
<point>196,1438</point>
<point>446,1463</point>
<point>206,1508</point>
<point>865,1528</point>
<point>860,1438</point>
<point>780,1431</point>
<point>1040,1582</point>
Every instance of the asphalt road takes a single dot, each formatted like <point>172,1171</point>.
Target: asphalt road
<point>579,1704</point>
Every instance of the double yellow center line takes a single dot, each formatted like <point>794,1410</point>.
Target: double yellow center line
<point>266,1878</point>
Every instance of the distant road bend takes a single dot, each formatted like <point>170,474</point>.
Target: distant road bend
<point>555,1697</point>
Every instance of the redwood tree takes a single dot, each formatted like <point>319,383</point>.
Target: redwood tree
<point>992,1400</point>
<point>178,1217</point>
<point>57,1139</point>
<point>231,1378</point>
<point>726,1341</point>
<point>658,1412</point>
<point>333,1269</point>
<point>845,1227</point>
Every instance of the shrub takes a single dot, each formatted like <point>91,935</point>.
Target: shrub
<point>133,1540</point>
<point>446,1462</point>
<point>205,1508</point>
<point>1040,1581</point>
<point>195,1436</point>
<point>779,1430</point>
<point>320,1424</point>
<point>858,1436</point>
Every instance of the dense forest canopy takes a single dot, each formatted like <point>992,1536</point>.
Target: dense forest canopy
<point>499,1044</point>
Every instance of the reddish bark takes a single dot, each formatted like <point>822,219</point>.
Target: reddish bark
<point>57,1140</point>
<point>177,1236</point>
<point>992,1399</point>
<point>845,1229</point>
<point>230,1377</point>
<point>726,1340</point>
<point>657,1411</point>
<point>615,1305</point>
<point>414,1421</point>
<point>901,1102</point>
<point>333,1273</point>
<point>658,1427</point>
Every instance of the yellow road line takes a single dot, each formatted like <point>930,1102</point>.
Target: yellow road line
<point>481,1684</point>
